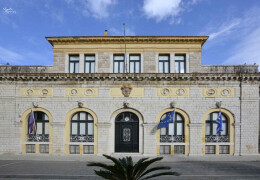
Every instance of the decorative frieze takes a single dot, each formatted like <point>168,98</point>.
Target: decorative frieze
<point>173,92</point>
<point>81,92</point>
<point>37,92</point>
<point>218,92</point>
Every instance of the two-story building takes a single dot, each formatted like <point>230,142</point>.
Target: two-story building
<point>100,98</point>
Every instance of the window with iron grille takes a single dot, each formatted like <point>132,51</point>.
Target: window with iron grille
<point>74,64</point>
<point>210,149</point>
<point>89,63</point>
<point>175,131</point>
<point>211,127</point>
<point>88,149</point>
<point>44,148</point>
<point>164,63</point>
<point>74,149</point>
<point>119,63</point>
<point>180,64</point>
<point>165,149</point>
<point>224,149</point>
<point>179,149</point>
<point>30,148</point>
<point>134,64</point>
<point>41,130</point>
<point>82,127</point>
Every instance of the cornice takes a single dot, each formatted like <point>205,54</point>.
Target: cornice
<point>129,77</point>
<point>129,40</point>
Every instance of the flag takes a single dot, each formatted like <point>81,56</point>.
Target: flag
<point>31,122</point>
<point>219,123</point>
<point>168,119</point>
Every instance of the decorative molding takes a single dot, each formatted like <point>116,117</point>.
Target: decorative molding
<point>135,92</point>
<point>43,77</point>
<point>81,92</point>
<point>129,40</point>
<point>173,92</point>
<point>37,92</point>
<point>218,92</point>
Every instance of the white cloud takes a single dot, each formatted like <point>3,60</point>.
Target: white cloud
<point>161,10</point>
<point>247,50</point>
<point>225,29</point>
<point>96,8</point>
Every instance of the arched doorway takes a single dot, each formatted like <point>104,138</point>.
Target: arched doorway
<point>126,132</point>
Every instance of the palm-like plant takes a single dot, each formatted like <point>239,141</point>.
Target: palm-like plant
<point>125,169</point>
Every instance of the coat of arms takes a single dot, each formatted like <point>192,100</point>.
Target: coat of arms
<point>126,90</point>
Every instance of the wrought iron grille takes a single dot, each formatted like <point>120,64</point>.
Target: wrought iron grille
<point>170,138</point>
<point>215,138</point>
<point>81,138</point>
<point>38,137</point>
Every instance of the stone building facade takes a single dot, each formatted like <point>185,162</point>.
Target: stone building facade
<point>96,99</point>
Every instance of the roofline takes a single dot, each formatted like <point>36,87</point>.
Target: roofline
<point>129,39</point>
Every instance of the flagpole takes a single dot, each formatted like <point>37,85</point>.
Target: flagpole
<point>173,119</point>
<point>34,125</point>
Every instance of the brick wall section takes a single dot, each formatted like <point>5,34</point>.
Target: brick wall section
<point>104,62</point>
<point>59,62</point>
<point>195,62</point>
<point>150,62</point>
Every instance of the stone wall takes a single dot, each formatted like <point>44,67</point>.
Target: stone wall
<point>25,69</point>
<point>229,69</point>
<point>13,105</point>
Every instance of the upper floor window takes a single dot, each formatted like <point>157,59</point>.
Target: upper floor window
<point>164,63</point>
<point>74,64</point>
<point>175,131</point>
<point>119,63</point>
<point>180,64</point>
<point>41,132</point>
<point>134,64</point>
<point>211,127</point>
<point>82,127</point>
<point>89,64</point>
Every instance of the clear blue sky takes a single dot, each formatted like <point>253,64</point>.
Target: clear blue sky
<point>233,25</point>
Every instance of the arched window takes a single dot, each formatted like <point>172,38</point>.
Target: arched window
<point>82,127</point>
<point>211,127</point>
<point>175,131</point>
<point>41,126</point>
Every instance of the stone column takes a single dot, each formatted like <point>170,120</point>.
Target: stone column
<point>195,139</point>
<point>105,140</point>
<point>237,126</point>
<point>149,142</point>
<point>58,137</point>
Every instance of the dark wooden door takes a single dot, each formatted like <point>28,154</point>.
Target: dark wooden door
<point>127,133</point>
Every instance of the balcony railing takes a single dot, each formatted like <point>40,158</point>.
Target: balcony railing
<point>38,137</point>
<point>170,138</point>
<point>81,138</point>
<point>215,138</point>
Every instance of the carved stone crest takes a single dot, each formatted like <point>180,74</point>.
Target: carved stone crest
<point>126,90</point>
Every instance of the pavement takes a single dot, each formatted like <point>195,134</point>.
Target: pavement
<point>95,158</point>
<point>194,170</point>
<point>36,166</point>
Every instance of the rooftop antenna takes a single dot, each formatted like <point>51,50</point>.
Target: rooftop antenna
<point>125,51</point>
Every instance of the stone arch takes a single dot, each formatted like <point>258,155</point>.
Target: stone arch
<point>141,129</point>
<point>231,129</point>
<point>186,128</point>
<point>24,127</point>
<point>68,127</point>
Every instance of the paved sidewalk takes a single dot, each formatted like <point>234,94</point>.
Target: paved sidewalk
<point>87,158</point>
